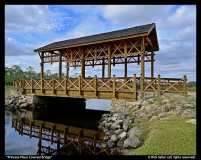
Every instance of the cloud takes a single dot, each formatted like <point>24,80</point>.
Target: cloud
<point>14,48</point>
<point>134,14</point>
<point>188,33</point>
<point>183,17</point>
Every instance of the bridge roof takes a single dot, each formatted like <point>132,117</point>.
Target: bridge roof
<point>137,31</point>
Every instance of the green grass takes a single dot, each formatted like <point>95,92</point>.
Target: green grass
<point>169,137</point>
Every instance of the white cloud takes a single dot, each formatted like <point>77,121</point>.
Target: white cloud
<point>183,17</point>
<point>188,33</point>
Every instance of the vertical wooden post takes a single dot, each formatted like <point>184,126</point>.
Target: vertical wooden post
<point>109,61</point>
<point>113,60</point>
<point>114,87</point>
<point>42,65</point>
<point>65,86</point>
<point>60,65</point>
<point>152,64</point>
<point>125,70</point>
<point>30,134</point>
<point>42,85</point>
<point>125,63</point>
<point>185,79</point>
<point>67,70</point>
<point>53,86</point>
<point>141,86</point>
<point>159,85</point>
<point>134,87</point>
<point>79,85</point>
<point>32,85</point>
<point>82,64</point>
<point>103,68</point>
<point>23,84</point>
<point>95,85</point>
<point>142,56</point>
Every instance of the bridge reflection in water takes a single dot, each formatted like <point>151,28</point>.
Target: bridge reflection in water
<point>70,140</point>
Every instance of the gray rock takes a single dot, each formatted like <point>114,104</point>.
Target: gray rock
<point>120,143</point>
<point>114,138</point>
<point>131,143</point>
<point>110,143</point>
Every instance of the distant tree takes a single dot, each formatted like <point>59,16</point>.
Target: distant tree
<point>48,74</point>
<point>30,72</point>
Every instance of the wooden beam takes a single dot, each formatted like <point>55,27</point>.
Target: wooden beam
<point>152,64</point>
<point>60,65</point>
<point>109,61</point>
<point>142,57</point>
<point>82,69</point>
<point>42,65</point>
<point>95,42</point>
<point>67,69</point>
<point>125,50</point>
<point>125,68</point>
<point>103,67</point>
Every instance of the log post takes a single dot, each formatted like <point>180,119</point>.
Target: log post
<point>32,85</point>
<point>53,86</point>
<point>42,85</point>
<point>65,86</point>
<point>79,85</point>
<point>95,85</point>
<point>23,81</point>
<point>134,87</point>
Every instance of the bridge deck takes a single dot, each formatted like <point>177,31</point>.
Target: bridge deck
<point>101,88</point>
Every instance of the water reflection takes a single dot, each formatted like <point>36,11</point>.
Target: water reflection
<point>18,143</point>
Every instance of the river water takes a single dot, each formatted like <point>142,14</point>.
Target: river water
<point>17,144</point>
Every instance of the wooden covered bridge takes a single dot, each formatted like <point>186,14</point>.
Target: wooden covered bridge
<point>132,45</point>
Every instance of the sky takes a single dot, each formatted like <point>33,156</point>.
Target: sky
<point>28,27</point>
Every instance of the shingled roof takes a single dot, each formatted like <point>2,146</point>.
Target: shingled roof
<point>99,37</point>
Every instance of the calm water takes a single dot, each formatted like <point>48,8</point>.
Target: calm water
<point>16,144</point>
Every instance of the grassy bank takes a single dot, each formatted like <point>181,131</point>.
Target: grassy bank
<point>169,137</point>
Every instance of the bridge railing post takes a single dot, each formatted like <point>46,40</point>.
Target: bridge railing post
<point>134,87</point>
<point>65,86</point>
<point>41,85</point>
<point>79,85</point>
<point>32,85</point>
<point>53,86</point>
<point>23,84</point>
<point>95,85</point>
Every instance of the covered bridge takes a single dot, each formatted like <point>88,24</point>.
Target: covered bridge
<point>131,45</point>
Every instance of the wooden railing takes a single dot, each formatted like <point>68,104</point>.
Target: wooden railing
<point>103,88</point>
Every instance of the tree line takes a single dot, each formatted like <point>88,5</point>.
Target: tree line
<point>15,73</point>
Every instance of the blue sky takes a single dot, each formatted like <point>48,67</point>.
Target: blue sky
<point>28,27</point>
